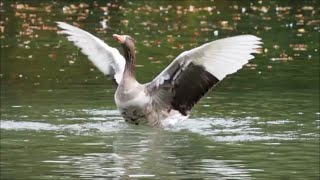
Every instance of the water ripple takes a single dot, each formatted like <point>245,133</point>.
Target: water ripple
<point>217,129</point>
<point>109,126</point>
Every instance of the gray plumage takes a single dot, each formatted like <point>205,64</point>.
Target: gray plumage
<point>178,87</point>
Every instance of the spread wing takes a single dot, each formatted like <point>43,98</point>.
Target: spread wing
<point>107,59</point>
<point>194,72</point>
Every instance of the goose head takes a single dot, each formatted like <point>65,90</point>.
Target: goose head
<point>128,45</point>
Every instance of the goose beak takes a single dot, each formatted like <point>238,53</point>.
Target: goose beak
<point>119,38</point>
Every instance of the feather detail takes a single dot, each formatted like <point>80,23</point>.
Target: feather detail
<point>193,73</point>
<point>107,59</point>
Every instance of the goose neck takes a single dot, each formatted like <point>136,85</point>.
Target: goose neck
<point>130,62</point>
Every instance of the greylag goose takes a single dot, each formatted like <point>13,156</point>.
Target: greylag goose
<point>178,87</point>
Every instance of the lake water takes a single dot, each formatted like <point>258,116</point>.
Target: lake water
<point>59,120</point>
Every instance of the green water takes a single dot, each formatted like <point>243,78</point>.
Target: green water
<point>59,120</point>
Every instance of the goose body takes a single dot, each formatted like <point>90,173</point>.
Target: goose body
<point>178,87</point>
<point>134,104</point>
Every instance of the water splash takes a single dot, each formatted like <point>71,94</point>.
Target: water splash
<point>97,121</point>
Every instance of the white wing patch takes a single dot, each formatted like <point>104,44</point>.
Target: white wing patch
<point>225,56</point>
<point>220,58</point>
<point>107,59</point>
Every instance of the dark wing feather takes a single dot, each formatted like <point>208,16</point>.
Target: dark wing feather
<point>186,85</point>
<point>190,86</point>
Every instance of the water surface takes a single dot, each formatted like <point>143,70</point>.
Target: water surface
<point>59,120</point>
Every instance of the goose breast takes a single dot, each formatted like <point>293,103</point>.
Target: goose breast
<point>134,105</point>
